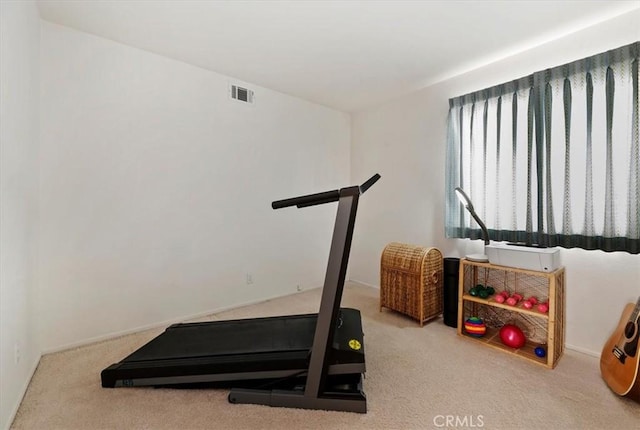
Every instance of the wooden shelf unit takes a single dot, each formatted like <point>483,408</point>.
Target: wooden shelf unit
<point>540,329</point>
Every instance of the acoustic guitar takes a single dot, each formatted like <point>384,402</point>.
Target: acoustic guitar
<point>620,356</point>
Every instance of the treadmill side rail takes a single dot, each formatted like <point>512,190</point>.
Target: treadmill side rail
<point>347,402</point>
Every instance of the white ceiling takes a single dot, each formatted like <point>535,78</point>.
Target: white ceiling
<point>343,54</point>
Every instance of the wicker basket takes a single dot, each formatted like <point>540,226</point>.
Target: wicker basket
<point>411,280</point>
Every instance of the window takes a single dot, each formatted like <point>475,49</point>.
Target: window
<point>552,158</point>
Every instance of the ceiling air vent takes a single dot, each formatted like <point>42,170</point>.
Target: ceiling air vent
<point>241,94</point>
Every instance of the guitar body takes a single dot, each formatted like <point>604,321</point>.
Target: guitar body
<point>620,356</point>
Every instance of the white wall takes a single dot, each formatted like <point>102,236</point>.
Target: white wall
<point>156,190</point>
<point>405,140</point>
<point>19,87</point>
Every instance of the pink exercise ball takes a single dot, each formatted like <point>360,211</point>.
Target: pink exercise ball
<point>512,336</point>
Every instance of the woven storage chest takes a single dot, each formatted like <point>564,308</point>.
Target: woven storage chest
<point>411,280</point>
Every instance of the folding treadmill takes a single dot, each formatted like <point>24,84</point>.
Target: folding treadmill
<point>313,361</point>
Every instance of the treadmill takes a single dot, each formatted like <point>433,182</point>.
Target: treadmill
<point>311,361</point>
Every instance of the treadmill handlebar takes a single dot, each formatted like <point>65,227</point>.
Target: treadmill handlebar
<point>368,183</point>
<point>324,197</point>
<point>308,200</point>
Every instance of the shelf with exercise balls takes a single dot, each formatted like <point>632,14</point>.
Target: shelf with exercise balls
<point>517,311</point>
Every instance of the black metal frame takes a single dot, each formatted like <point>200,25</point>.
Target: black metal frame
<point>317,394</point>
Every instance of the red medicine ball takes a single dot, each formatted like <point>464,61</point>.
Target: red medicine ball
<point>512,336</point>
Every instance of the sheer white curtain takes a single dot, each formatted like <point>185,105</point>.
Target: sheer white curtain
<point>552,158</point>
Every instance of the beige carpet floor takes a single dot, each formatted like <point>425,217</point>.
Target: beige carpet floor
<point>417,378</point>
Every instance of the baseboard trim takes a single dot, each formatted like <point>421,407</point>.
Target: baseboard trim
<point>161,324</point>
<point>355,281</point>
<point>23,391</point>
<point>582,350</point>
